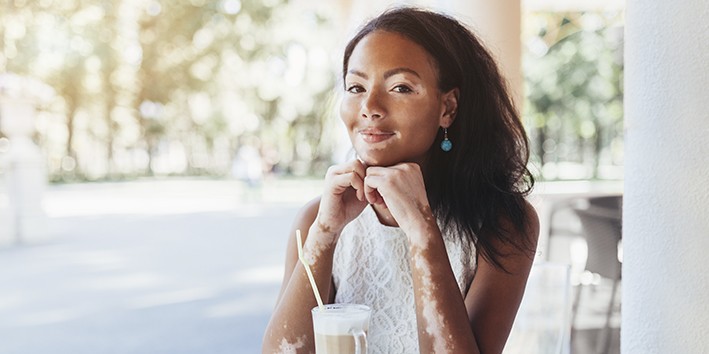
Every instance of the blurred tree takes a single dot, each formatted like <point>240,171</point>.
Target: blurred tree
<point>146,83</point>
<point>107,53</point>
<point>25,29</point>
<point>573,72</point>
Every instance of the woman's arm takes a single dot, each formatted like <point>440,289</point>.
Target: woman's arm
<point>320,222</point>
<point>494,296</point>
<point>443,325</point>
<point>481,322</point>
<point>290,328</point>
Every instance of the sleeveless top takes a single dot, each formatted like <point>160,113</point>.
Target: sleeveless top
<point>371,267</point>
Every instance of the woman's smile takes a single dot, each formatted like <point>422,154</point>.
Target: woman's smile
<point>373,136</point>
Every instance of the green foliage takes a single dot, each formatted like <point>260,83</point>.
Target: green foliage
<point>170,87</point>
<point>574,107</point>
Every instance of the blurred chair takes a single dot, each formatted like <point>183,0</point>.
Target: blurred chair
<point>543,322</point>
<point>601,221</point>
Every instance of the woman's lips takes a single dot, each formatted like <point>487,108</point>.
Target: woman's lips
<point>375,136</point>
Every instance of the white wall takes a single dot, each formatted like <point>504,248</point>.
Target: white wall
<point>666,203</point>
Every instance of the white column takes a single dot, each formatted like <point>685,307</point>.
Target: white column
<point>498,23</point>
<point>666,223</point>
<point>24,220</point>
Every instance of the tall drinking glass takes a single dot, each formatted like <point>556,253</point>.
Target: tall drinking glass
<point>341,328</point>
<point>543,323</point>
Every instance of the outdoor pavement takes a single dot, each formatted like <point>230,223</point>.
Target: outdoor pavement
<point>160,267</point>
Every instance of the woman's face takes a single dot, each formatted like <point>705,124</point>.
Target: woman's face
<point>392,106</point>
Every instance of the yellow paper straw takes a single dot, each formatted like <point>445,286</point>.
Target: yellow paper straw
<point>307,270</point>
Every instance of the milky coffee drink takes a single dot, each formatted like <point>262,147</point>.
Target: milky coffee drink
<point>341,329</point>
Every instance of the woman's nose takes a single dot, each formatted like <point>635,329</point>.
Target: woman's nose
<point>372,106</point>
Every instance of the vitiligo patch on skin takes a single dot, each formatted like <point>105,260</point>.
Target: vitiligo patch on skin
<point>313,248</point>
<point>291,348</point>
<point>434,321</point>
<point>324,228</point>
<point>421,241</point>
<point>426,212</point>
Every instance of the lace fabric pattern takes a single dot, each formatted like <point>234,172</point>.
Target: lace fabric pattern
<point>371,267</point>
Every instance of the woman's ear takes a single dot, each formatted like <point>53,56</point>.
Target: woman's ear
<point>449,107</point>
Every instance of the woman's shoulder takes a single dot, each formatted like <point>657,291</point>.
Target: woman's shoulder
<point>526,225</point>
<point>529,218</point>
<point>529,227</point>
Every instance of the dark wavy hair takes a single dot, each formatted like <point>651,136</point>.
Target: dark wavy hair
<point>485,176</point>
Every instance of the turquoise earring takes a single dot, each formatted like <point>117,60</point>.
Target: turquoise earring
<point>446,144</point>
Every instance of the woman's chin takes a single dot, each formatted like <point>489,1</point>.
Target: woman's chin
<point>373,161</point>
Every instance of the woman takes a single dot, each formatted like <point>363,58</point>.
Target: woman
<point>429,225</point>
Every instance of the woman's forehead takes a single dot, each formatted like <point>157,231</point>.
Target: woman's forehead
<point>386,51</point>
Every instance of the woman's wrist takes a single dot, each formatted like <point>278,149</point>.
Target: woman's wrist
<point>321,241</point>
<point>325,229</point>
<point>421,227</point>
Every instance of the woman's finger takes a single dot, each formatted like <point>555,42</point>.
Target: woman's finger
<point>339,183</point>
<point>359,167</point>
<point>354,166</point>
<point>357,182</point>
<point>371,193</point>
<point>358,171</point>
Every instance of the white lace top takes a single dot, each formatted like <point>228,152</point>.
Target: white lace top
<point>371,267</point>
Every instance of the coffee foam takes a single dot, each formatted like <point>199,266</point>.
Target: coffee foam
<point>341,322</point>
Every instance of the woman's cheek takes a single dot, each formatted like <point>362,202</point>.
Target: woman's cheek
<point>347,111</point>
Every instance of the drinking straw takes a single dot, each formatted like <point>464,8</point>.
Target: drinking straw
<point>307,270</point>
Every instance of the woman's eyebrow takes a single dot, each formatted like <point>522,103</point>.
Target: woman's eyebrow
<point>387,74</point>
<point>395,71</point>
<point>357,73</point>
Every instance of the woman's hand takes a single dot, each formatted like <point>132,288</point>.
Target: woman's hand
<point>402,190</point>
<point>343,198</point>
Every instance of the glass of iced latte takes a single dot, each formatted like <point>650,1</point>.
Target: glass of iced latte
<point>341,328</point>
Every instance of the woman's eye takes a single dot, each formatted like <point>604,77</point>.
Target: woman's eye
<point>402,89</point>
<point>355,89</point>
